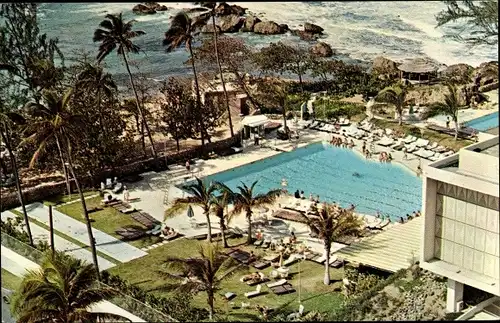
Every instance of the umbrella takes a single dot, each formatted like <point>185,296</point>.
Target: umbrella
<point>190,212</point>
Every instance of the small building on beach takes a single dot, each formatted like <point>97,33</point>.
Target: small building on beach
<point>419,70</point>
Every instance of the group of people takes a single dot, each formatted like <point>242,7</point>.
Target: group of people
<point>344,143</point>
<point>300,195</point>
<point>167,231</point>
<point>385,157</point>
<point>415,214</point>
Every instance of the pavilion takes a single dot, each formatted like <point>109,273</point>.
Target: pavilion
<point>419,70</point>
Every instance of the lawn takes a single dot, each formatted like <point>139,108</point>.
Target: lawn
<point>9,280</point>
<point>107,220</point>
<point>314,294</point>
<point>432,136</point>
<point>60,199</point>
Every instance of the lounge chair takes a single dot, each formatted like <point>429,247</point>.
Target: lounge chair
<point>344,122</point>
<point>291,260</point>
<point>266,244</point>
<point>424,153</point>
<point>421,142</point>
<point>128,210</point>
<point>336,262</point>
<point>432,146</point>
<point>320,259</point>
<point>410,148</point>
<point>409,139</point>
<point>130,233</point>
<point>109,202</point>
<point>385,141</point>
<point>278,283</point>
<point>448,153</point>
<point>283,289</point>
<point>296,315</point>
<point>272,257</point>
<point>261,264</point>
<point>439,149</point>
<point>261,280</point>
<point>118,188</point>
<point>398,146</point>
<point>388,131</point>
<point>436,157</point>
<point>229,296</point>
<point>254,293</point>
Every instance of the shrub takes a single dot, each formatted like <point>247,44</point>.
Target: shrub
<point>327,109</point>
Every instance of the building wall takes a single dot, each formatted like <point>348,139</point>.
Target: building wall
<point>467,229</point>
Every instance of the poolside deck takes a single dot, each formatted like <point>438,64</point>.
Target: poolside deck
<point>390,250</point>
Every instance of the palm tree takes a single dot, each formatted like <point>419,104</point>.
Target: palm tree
<point>7,120</point>
<point>219,205</point>
<point>203,274</point>
<point>54,120</point>
<point>449,107</point>
<point>115,33</point>
<point>201,195</point>
<point>182,32</point>
<point>212,5</point>
<point>62,290</point>
<point>93,77</point>
<point>246,201</point>
<point>394,95</point>
<point>331,223</point>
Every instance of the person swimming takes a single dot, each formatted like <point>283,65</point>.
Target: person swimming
<point>356,174</point>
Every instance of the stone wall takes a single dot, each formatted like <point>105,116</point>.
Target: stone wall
<point>46,190</point>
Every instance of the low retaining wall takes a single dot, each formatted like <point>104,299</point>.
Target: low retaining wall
<point>44,191</point>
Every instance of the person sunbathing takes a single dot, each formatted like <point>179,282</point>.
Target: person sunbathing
<point>351,144</point>
<point>302,195</point>
<point>251,277</point>
<point>293,238</point>
<point>297,194</point>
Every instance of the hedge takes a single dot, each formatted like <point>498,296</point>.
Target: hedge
<point>38,193</point>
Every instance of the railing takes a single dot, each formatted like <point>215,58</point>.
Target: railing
<point>126,302</point>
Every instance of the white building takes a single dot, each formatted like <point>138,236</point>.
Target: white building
<point>461,221</point>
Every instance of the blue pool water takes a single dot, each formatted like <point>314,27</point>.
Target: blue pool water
<point>328,171</point>
<point>484,123</point>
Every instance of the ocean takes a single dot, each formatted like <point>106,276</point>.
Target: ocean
<point>398,30</point>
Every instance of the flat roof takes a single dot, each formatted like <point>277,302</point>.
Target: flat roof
<point>493,151</point>
<point>389,250</point>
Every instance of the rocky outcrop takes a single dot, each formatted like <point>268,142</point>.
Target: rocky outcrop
<point>268,28</point>
<point>384,66</point>
<point>312,28</point>
<point>225,9</point>
<point>487,73</point>
<point>321,49</point>
<point>231,23</point>
<point>250,23</point>
<point>458,72</point>
<point>284,27</point>
<point>141,9</point>
<point>148,8</point>
<point>304,35</point>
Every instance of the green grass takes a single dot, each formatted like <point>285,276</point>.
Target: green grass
<point>107,220</point>
<point>143,272</point>
<point>432,136</point>
<point>67,237</point>
<point>9,280</point>
<point>60,199</point>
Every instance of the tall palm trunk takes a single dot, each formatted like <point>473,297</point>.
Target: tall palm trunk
<point>210,302</point>
<point>249,220</point>
<point>101,122</point>
<point>241,82</point>
<point>400,116</point>
<point>5,171</point>
<point>326,279</point>
<point>65,171</point>
<point>198,100</point>
<point>18,184</point>
<point>85,212</point>
<point>209,225</point>
<point>456,127</point>
<point>223,232</point>
<point>222,78</point>
<point>139,107</point>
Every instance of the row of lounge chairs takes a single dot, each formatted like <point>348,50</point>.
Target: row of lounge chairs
<point>335,261</point>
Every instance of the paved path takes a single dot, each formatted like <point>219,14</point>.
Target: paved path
<point>62,244</point>
<point>17,265</point>
<point>105,243</point>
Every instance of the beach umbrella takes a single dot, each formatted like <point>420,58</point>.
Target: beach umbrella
<point>190,212</point>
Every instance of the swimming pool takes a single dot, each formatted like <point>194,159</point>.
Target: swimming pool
<point>328,171</point>
<point>484,123</point>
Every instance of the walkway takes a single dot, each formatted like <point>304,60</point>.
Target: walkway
<point>390,250</point>
<point>17,265</point>
<point>62,244</point>
<point>105,243</point>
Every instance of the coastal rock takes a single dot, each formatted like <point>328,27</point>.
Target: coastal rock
<point>321,49</point>
<point>231,23</point>
<point>458,72</point>
<point>307,36</point>
<point>225,9</point>
<point>250,23</point>
<point>141,9</point>
<point>312,28</point>
<point>384,66</point>
<point>284,27</point>
<point>208,29</point>
<point>488,72</point>
<point>267,28</point>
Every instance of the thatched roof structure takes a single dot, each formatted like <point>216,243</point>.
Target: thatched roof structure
<point>420,65</point>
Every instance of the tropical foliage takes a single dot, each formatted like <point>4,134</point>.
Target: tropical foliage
<point>395,96</point>
<point>331,223</point>
<point>246,200</point>
<point>63,290</point>
<point>202,274</point>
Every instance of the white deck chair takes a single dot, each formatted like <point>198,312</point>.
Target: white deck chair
<point>278,283</point>
<point>254,293</point>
